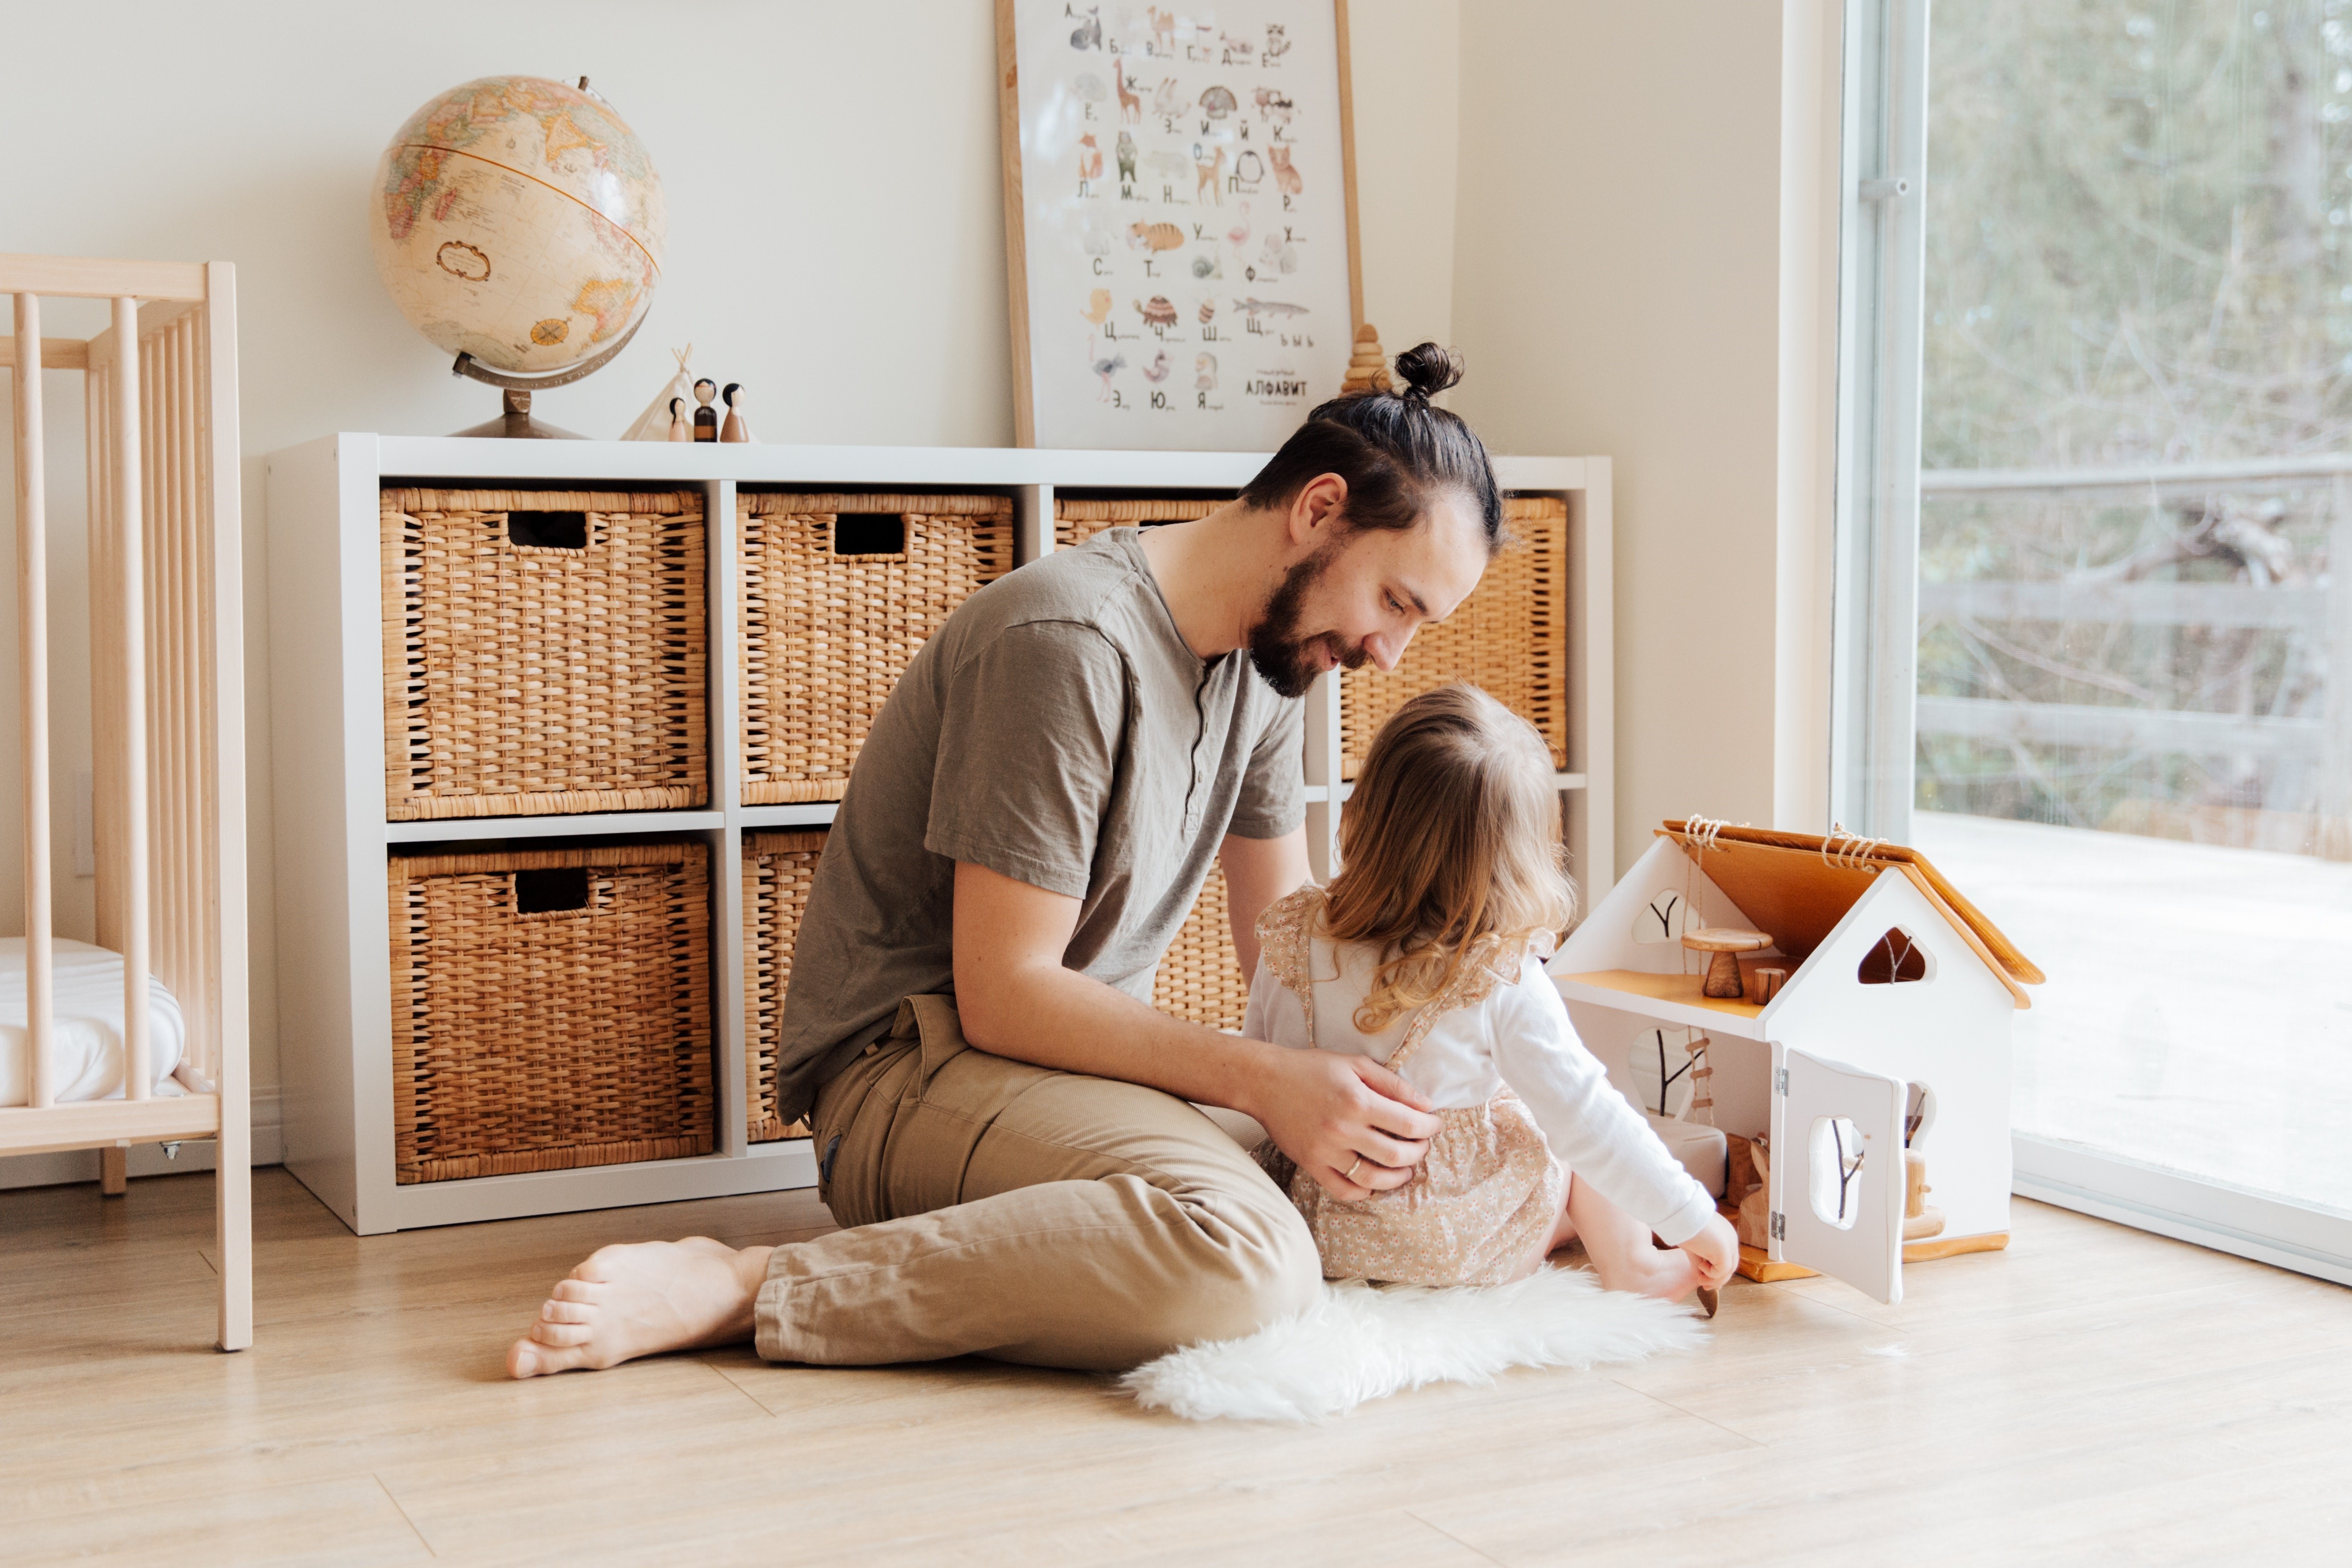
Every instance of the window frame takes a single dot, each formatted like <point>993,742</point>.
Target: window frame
<point>1882,306</point>
<point>1882,303</point>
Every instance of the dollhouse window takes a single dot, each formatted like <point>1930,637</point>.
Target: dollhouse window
<point>1834,1152</point>
<point>1894,960</point>
<point>1660,1062</point>
<point>1918,1113</point>
<point>1664,919</point>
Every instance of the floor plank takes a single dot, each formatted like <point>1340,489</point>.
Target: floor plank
<point>2091,1394</point>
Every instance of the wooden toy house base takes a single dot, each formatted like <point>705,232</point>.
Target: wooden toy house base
<point>1886,1044</point>
<point>1757,1265</point>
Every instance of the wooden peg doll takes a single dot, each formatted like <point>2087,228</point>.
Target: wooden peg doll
<point>706,417</point>
<point>680,427</point>
<point>734,429</point>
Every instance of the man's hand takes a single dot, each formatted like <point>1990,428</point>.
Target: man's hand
<point>1017,1000</point>
<point>1346,1121</point>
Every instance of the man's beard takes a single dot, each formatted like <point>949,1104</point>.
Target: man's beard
<point>1281,655</point>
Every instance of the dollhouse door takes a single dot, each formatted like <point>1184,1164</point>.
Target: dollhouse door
<point>1836,1203</point>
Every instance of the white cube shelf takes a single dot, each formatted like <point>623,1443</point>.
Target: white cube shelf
<point>334,987</point>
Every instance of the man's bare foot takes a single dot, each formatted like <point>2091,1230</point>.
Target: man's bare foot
<point>642,1299</point>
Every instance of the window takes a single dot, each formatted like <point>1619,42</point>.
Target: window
<point>2095,646</point>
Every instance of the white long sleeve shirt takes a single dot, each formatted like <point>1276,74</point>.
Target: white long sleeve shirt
<point>1519,1036</point>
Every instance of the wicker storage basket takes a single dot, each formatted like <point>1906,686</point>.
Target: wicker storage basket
<point>839,593</point>
<point>550,1008</point>
<point>778,869</point>
<point>1077,521</point>
<point>1510,638</point>
<point>1201,979</point>
<point>543,653</point>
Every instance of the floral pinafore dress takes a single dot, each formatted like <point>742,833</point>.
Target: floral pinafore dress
<point>1487,1193</point>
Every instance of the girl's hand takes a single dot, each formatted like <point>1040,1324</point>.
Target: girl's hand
<point>1346,1121</point>
<point>1715,1249</point>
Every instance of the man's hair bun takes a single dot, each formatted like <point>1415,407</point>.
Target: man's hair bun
<point>1428,370</point>
<point>1395,450</point>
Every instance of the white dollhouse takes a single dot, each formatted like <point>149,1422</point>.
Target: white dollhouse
<point>1865,1044</point>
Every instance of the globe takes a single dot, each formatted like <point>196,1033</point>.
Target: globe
<point>518,221</point>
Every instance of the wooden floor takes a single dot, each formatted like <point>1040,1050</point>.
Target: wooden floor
<point>2092,1394</point>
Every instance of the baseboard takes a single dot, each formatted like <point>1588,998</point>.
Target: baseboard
<point>148,1159</point>
<point>2208,1213</point>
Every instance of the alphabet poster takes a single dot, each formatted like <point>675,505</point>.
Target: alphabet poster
<point>1177,207</point>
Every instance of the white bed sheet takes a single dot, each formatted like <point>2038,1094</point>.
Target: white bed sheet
<point>86,1039</point>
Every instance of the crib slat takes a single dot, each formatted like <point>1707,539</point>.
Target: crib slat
<point>184,669</point>
<point>154,558</point>
<point>218,520</point>
<point>138,1067</point>
<point>159,466</point>
<point>98,459</point>
<point>33,630</point>
<point>169,673</point>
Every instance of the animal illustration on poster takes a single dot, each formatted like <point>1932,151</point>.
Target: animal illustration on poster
<point>1227,135</point>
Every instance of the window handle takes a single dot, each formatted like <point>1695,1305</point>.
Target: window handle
<point>1885,190</point>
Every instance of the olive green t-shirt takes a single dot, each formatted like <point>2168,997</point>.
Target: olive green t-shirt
<point>1057,730</point>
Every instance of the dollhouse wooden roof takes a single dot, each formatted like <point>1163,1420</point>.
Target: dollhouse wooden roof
<point>1797,886</point>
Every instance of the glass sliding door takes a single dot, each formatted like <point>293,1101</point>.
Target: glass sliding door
<point>2131,629</point>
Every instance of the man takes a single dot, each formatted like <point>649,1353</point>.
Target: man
<point>1005,1126</point>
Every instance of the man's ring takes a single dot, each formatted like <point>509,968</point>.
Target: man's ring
<point>1350,1174</point>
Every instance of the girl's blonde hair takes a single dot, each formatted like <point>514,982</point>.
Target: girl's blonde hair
<point>1450,848</point>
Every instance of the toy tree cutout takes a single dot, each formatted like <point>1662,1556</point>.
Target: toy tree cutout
<point>1892,959</point>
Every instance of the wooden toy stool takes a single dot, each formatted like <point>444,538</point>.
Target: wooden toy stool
<point>1723,969</point>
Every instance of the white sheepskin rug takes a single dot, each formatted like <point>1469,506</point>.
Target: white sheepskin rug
<point>1363,1342</point>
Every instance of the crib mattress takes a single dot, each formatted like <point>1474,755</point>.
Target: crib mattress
<point>86,1039</point>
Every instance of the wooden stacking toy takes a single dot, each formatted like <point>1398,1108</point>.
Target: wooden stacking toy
<point>1368,367</point>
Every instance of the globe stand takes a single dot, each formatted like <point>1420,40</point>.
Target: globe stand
<point>516,424</point>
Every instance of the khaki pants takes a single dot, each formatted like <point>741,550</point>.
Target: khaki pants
<point>1004,1210</point>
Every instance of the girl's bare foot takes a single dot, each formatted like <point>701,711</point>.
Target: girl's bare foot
<point>642,1299</point>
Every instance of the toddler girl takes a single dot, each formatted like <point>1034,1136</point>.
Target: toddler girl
<point>1426,952</point>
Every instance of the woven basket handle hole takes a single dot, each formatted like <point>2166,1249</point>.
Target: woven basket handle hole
<point>548,530</point>
<point>557,890</point>
<point>870,533</point>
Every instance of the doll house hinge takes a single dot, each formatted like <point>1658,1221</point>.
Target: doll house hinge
<point>1779,1226</point>
<point>1781,1081</point>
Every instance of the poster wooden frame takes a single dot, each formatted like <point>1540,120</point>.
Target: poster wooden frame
<point>1016,247</point>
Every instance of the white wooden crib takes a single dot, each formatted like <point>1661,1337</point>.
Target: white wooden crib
<point>168,725</point>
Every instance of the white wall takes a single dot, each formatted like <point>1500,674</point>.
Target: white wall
<point>835,242</point>
<point>1616,274</point>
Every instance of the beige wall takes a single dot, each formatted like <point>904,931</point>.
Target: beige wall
<point>1616,270</point>
<point>836,241</point>
<point>1407,64</point>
